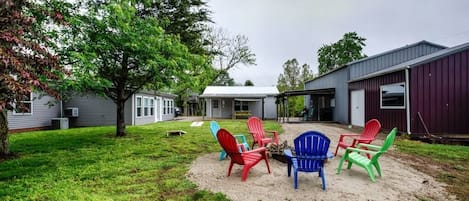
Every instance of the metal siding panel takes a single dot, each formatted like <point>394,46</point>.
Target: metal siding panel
<point>465,90</point>
<point>338,81</point>
<point>389,118</point>
<point>457,91</point>
<point>390,59</point>
<point>270,108</point>
<point>451,98</point>
<point>413,76</point>
<point>439,93</point>
<point>432,79</point>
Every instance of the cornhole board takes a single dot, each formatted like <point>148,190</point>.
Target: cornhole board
<point>175,132</point>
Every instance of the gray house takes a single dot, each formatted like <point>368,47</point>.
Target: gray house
<point>142,108</point>
<point>336,104</point>
<point>240,101</point>
<point>90,110</point>
<point>38,116</point>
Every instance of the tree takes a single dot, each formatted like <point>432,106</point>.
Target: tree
<point>293,78</point>
<point>28,62</point>
<point>229,52</point>
<point>248,83</point>
<point>223,79</point>
<point>120,53</point>
<point>186,19</point>
<point>337,54</point>
<point>306,75</point>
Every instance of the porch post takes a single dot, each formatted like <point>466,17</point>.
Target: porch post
<point>288,111</point>
<point>262,108</point>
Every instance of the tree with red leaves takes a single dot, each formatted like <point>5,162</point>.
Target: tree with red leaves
<point>27,59</point>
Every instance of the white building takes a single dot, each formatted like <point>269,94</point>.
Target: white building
<point>240,101</point>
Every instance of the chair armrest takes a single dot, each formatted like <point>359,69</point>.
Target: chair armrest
<point>288,153</point>
<point>369,146</point>
<point>341,138</point>
<point>240,137</point>
<point>241,146</point>
<point>258,150</point>
<point>357,140</point>
<point>350,149</point>
<point>275,133</point>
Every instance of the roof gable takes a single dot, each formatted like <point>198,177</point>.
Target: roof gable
<point>417,61</point>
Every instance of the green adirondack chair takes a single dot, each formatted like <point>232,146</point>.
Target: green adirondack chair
<point>354,155</point>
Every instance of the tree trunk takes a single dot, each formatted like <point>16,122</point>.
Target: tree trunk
<point>4,133</point>
<point>120,124</point>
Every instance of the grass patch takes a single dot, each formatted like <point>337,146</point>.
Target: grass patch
<point>92,164</point>
<point>447,163</point>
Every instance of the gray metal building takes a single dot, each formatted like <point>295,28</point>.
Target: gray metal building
<point>337,80</point>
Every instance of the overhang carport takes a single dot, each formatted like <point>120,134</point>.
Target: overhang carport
<point>321,100</point>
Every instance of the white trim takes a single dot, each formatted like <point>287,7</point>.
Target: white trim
<point>381,96</point>
<point>30,113</point>
<point>146,108</point>
<point>136,107</point>
<point>151,106</point>
<point>407,99</point>
<point>133,109</point>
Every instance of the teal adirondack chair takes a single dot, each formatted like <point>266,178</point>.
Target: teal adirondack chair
<point>240,138</point>
<point>354,155</point>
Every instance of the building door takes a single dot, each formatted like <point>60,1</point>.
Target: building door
<point>157,109</point>
<point>216,110</point>
<point>358,107</point>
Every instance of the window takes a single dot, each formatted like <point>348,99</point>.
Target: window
<point>152,106</point>
<point>172,106</point>
<point>171,103</point>
<point>241,106</point>
<point>393,96</point>
<point>164,106</point>
<point>139,106</point>
<point>146,109</point>
<point>215,104</point>
<point>26,106</point>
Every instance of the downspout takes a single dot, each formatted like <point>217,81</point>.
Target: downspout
<point>407,97</point>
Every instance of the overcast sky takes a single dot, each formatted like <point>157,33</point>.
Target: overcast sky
<point>279,30</point>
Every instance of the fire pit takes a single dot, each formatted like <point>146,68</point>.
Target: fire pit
<point>276,151</point>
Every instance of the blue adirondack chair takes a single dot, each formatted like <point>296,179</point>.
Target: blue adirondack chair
<point>240,138</point>
<point>312,149</point>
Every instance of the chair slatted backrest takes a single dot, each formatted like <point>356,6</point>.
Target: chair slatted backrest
<point>229,144</point>
<point>311,150</point>
<point>256,128</point>
<point>214,127</point>
<point>386,144</point>
<point>372,128</point>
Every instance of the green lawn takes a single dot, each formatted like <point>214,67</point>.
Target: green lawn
<point>447,163</point>
<point>92,164</point>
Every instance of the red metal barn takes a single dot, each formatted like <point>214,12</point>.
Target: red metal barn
<point>436,86</point>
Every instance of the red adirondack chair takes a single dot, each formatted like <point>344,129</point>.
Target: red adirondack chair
<point>246,158</point>
<point>369,133</point>
<point>258,133</point>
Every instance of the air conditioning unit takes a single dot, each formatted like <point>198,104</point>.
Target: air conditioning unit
<point>71,112</point>
<point>59,123</point>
